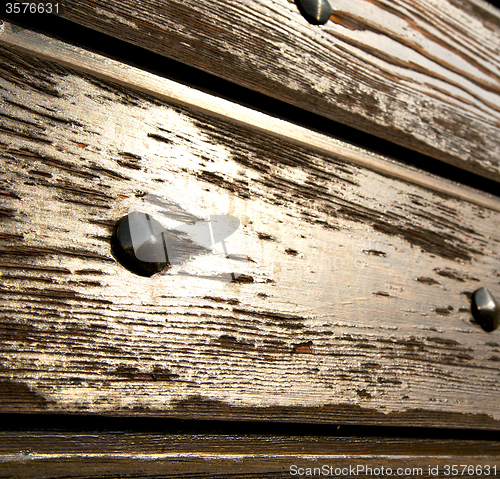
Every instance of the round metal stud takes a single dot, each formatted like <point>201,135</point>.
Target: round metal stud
<point>485,309</point>
<point>316,12</point>
<point>139,243</point>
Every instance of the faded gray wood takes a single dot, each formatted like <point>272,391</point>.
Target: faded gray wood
<point>422,74</point>
<point>352,300</point>
<point>83,61</point>
<point>60,454</point>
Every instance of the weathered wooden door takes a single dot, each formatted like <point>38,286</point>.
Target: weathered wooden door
<point>238,242</point>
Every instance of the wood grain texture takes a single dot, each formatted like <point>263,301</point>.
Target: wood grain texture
<point>422,74</point>
<point>129,77</point>
<point>31,455</point>
<point>351,303</point>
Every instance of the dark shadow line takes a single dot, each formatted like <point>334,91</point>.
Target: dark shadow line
<point>108,424</point>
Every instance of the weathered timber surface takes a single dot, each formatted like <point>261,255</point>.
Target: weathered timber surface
<point>351,298</point>
<point>30,455</point>
<point>422,74</point>
<point>129,77</point>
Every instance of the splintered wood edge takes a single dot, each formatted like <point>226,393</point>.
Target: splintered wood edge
<point>162,88</point>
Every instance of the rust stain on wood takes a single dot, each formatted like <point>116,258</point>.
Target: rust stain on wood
<point>303,348</point>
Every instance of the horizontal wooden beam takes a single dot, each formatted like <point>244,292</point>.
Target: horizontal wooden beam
<point>344,296</point>
<point>64,454</point>
<point>424,75</point>
<point>164,89</point>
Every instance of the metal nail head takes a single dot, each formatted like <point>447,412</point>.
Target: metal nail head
<point>485,309</point>
<point>316,12</point>
<point>139,243</point>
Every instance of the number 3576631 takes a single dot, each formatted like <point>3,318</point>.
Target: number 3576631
<point>31,7</point>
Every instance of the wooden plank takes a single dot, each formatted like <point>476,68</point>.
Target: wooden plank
<point>62,454</point>
<point>422,74</point>
<point>130,77</point>
<point>352,300</point>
